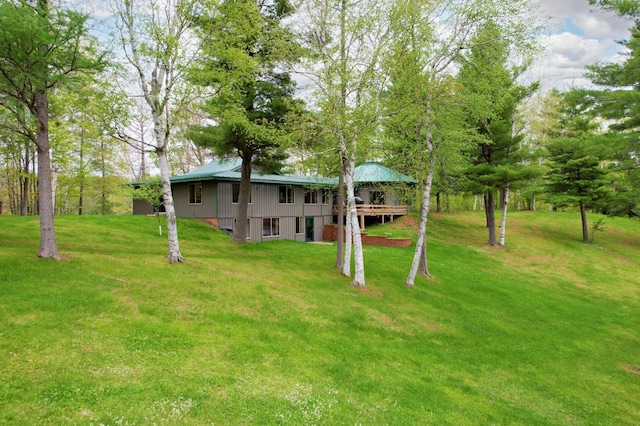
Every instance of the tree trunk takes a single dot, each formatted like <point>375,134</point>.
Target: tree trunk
<point>358,256</point>
<point>24,184</point>
<point>81,195</point>
<point>174,254</point>
<point>503,226</point>
<point>348,234</point>
<point>585,228</point>
<point>420,253</point>
<point>340,218</point>
<point>48,245</point>
<point>103,170</point>
<point>491,217</point>
<point>240,228</point>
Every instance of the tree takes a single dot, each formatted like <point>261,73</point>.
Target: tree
<point>244,46</point>
<point>618,103</point>
<point>491,100</point>
<point>428,37</point>
<point>346,41</point>
<point>87,153</point>
<point>576,176</point>
<point>155,42</point>
<point>41,48</point>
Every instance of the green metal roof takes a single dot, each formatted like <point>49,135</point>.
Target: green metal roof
<point>210,170</point>
<point>230,170</point>
<point>377,173</point>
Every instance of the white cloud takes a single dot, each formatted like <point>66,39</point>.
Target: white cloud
<point>581,35</point>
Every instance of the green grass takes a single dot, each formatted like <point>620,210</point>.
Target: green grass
<point>544,331</point>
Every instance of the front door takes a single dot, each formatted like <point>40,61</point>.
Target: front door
<point>308,228</point>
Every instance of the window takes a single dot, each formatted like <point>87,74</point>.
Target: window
<point>327,196</point>
<point>195,193</point>
<point>300,225</point>
<point>311,196</point>
<point>377,197</point>
<point>235,189</point>
<point>248,236</point>
<point>285,194</point>
<point>270,227</point>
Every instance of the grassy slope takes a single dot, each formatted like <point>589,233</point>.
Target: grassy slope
<point>545,331</point>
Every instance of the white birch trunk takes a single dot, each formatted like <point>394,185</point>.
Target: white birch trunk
<point>358,279</point>
<point>348,239</point>
<point>158,92</point>
<point>174,254</point>
<point>503,225</point>
<point>424,214</point>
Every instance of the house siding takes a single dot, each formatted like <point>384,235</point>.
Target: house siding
<point>217,202</point>
<point>206,209</point>
<point>142,207</point>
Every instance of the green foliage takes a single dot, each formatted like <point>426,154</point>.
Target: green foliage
<point>542,332</point>
<point>575,173</point>
<point>629,8</point>
<point>597,226</point>
<point>490,99</point>
<point>24,30</point>
<point>244,44</point>
<point>150,190</point>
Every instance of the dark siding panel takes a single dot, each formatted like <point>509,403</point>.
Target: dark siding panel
<point>142,207</point>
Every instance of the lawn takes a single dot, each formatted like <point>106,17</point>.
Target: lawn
<point>545,331</point>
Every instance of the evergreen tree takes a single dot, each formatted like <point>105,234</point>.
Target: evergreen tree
<point>576,177</point>
<point>491,97</point>
<point>253,99</point>
<point>619,103</point>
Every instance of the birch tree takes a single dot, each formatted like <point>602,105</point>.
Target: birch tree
<point>42,47</point>
<point>156,43</point>
<point>346,40</point>
<point>431,35</point>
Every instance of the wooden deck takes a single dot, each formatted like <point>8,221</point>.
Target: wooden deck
<point>375,210</point>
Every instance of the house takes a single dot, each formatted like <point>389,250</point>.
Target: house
<point>281,206</point>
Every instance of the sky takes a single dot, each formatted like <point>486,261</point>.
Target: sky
<point>579,35</point>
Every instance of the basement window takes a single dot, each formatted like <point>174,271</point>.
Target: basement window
<point>270,227</point>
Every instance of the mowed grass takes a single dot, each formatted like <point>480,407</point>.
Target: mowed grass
<point>544,331</point>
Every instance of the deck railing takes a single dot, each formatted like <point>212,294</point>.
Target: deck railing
<point>376,210</point>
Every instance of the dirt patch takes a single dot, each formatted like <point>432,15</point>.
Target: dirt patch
<point>635,369</point>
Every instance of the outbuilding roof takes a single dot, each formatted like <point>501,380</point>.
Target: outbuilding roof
<point>377,173</point>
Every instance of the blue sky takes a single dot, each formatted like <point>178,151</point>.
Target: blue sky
<point>579,35</point>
